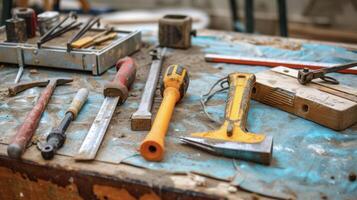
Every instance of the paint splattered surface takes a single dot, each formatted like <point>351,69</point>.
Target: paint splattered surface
<point>309,161</point>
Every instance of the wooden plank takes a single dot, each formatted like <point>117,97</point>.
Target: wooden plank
<point>331,106</point>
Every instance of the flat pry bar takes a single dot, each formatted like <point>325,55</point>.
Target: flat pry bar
<point>141,119</point>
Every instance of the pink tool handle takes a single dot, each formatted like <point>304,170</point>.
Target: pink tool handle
<point>126,68</point>
<point>123,79</point>
<point>28,128</point>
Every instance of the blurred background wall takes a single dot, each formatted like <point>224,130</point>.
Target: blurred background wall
<point>334,20</point>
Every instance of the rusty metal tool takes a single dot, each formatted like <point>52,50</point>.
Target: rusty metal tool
<point>87,26</point>
<point>57,136</point>
<point>141,119</point>
<point>273,62</point>
<point>115,92</point>
<point>173,89</point>
<point>28,127</point>
<point>58,29</point>
<point>306,76</point>
<point>232,139</point>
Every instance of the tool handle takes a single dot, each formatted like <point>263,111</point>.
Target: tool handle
<point>122,81</point>
<point>152,148</point>
<point>28,128</point>
<point>240,90</point>
<point>100,40</point>
<point>78,102</point>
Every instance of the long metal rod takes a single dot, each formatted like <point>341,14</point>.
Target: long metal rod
<point>271,62</point>
<point>96,133</point>
<point>20,60</point>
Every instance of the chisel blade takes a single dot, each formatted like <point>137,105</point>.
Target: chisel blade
<point>256,152</point>
<point>96,133</point>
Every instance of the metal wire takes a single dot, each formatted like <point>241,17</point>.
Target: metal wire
<point>206,97</point>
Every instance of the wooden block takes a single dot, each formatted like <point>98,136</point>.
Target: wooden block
<point>334,106</point>
<point>175,31</point>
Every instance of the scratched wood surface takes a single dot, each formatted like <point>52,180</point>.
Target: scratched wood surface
<point>74,180</point>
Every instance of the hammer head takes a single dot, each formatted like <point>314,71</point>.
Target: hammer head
<point>15,89</point>
<point>61,81</point>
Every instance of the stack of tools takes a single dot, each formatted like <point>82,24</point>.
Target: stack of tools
<point>57,136</point>
<point>115,92</point>
<point>47,20</point>
<point>29,16</point>
<point>62,27</point>
<point>142,118</point>
<point>175,31</point>
<point>173,89</point>
<point>28,127</point>
<point>232,138</point>
<point>87,26</point>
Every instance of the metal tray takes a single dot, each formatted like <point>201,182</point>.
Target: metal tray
<point>53,54</point>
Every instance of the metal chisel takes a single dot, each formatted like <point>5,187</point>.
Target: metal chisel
<point>141,119</point>
<point>115,92</point>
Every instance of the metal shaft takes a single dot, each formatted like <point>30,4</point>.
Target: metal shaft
<point>142,118</point>
<point>340,67</point>
<point>115,92</point>
<point>20,60</point>
<point>56,138</point>
<point>97,131</point>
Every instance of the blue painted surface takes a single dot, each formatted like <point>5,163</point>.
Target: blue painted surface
<point>309,160</point>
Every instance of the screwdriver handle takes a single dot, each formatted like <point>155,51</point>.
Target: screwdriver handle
<point>123,79</point>
<point>78,102</point>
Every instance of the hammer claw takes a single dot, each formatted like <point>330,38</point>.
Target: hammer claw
<point>17,88</point>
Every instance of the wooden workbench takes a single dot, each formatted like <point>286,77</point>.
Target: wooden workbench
<point>63,178</point>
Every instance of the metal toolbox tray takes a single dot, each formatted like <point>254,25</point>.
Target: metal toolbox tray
<point>54,53</point>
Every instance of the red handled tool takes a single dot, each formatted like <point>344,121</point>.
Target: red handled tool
<point>28,127</point>
<point>115,92</point>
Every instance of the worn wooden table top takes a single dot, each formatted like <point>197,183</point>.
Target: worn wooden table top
<point>119,171</point>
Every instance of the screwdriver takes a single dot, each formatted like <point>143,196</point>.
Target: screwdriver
<point>57,136</point>
<point>173,88</point>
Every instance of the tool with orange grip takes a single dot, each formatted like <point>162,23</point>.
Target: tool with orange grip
<point>115,92</point>
<point>173,88</point>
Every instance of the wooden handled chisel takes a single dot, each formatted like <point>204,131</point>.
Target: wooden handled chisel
<point>115,92</point>
<point>141,119</point>
<point>57,136</point>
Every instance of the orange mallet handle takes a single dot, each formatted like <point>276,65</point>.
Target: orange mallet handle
<point>174,87</point>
